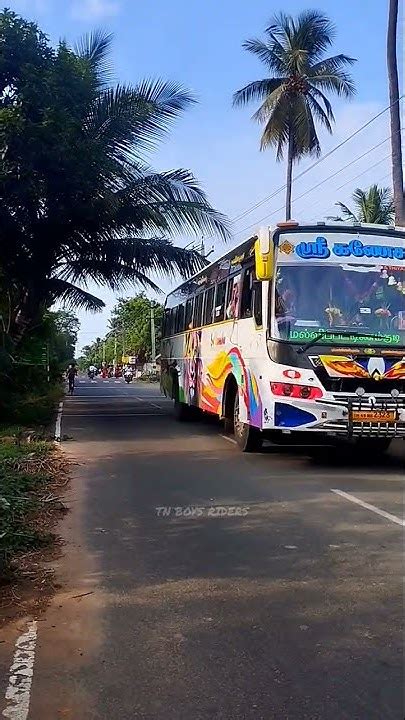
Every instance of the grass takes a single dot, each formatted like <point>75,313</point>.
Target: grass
<point>22,481</point>
<point>34,408</point>
<point>29,470</point>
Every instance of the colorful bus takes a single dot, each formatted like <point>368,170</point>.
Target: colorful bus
<point>299,329</point>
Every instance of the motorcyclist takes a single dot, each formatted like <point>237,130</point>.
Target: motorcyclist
<point>71,373</point>
<point>92,371</point>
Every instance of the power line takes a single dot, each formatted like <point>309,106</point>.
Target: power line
<point>317,162</point>
<point>364,172</point>
<point>357,176</point>
<point>381,179</point>
<point>314,187</point>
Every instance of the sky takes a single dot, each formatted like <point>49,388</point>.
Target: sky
<point>199,44</point>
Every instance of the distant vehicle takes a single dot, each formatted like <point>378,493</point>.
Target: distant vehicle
<point>92,372</point>
<point>300,329</point>
<point>128,376</point>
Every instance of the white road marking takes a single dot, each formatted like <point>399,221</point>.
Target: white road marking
<point>109,415</point>
<point>18,693</point>
<point>367,506</point>
<point>80,397</point>
<point>58,424</point>
<point>291,547</point>
<point>231,440</point>
<point>154,397</point>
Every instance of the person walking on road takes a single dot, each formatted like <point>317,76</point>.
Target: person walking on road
<point>71,373</point>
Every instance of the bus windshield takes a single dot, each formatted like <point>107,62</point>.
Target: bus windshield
<point>339,299</point>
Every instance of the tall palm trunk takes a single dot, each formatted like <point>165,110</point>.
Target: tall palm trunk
<point>393,84</point>
<point>290,158</point>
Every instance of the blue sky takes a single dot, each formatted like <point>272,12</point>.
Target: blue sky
<point>199,45</point>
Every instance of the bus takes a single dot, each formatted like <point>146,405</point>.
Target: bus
<point>300,329</point>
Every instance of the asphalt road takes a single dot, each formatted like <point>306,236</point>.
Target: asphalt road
<point>219,586</point>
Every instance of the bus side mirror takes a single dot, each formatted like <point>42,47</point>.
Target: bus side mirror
<point>264,255</point>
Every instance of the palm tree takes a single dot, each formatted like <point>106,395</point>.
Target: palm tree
<point>293,96</point>
<point>395,116</point>
<point>374,205</point>
<point>89,207</point>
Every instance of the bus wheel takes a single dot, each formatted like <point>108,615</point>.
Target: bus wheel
<point>248,438</point>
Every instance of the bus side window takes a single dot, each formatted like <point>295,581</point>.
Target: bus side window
<point>180,319</point>
<point>232,298</point>
<point>257,302</point>
<point>220,302</point>
<point>189,314</point>
<point>198,304</point>
<point>209,302</point>
<point>166,323</point>
<point>173,314</point>
<point>247,292</point>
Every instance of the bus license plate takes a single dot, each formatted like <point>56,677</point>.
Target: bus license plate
<point>374,416</point>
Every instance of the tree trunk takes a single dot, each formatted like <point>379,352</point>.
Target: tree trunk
<point>22,317</point>
<point>290,158</point>
<point>393,85</point>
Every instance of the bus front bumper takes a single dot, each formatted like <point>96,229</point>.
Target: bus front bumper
<point>367,416</point>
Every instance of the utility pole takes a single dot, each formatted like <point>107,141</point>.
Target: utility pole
<point>103,351</point>
<point>48,363</point>
<point>115,351</point>
<point>395,113</point>
<point>152,332</point>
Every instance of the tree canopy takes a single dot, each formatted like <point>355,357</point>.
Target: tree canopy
<point>79,200</point>
<point>293,96</point>
<point>129,333</point>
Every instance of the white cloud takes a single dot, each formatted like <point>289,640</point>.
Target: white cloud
<point>95,9</point>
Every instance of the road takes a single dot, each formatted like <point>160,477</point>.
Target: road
<point>198,583</point>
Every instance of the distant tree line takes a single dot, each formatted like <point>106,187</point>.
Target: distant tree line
<point>130,333</point>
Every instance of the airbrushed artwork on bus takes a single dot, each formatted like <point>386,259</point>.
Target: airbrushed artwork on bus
<point>376,368</point>
<point>213,383</point>
<point>192,367</point>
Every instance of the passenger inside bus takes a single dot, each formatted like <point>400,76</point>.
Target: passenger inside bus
<point>338,296</point>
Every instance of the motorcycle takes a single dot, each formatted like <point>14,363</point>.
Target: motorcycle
<point>91,374</point>
<point>128,377</point>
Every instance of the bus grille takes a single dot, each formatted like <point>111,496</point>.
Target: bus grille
<point>382,402</point>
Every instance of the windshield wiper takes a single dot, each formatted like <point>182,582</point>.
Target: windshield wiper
<point>344,333</point>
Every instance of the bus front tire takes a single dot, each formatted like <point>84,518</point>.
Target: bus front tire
<point>248,438</point>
